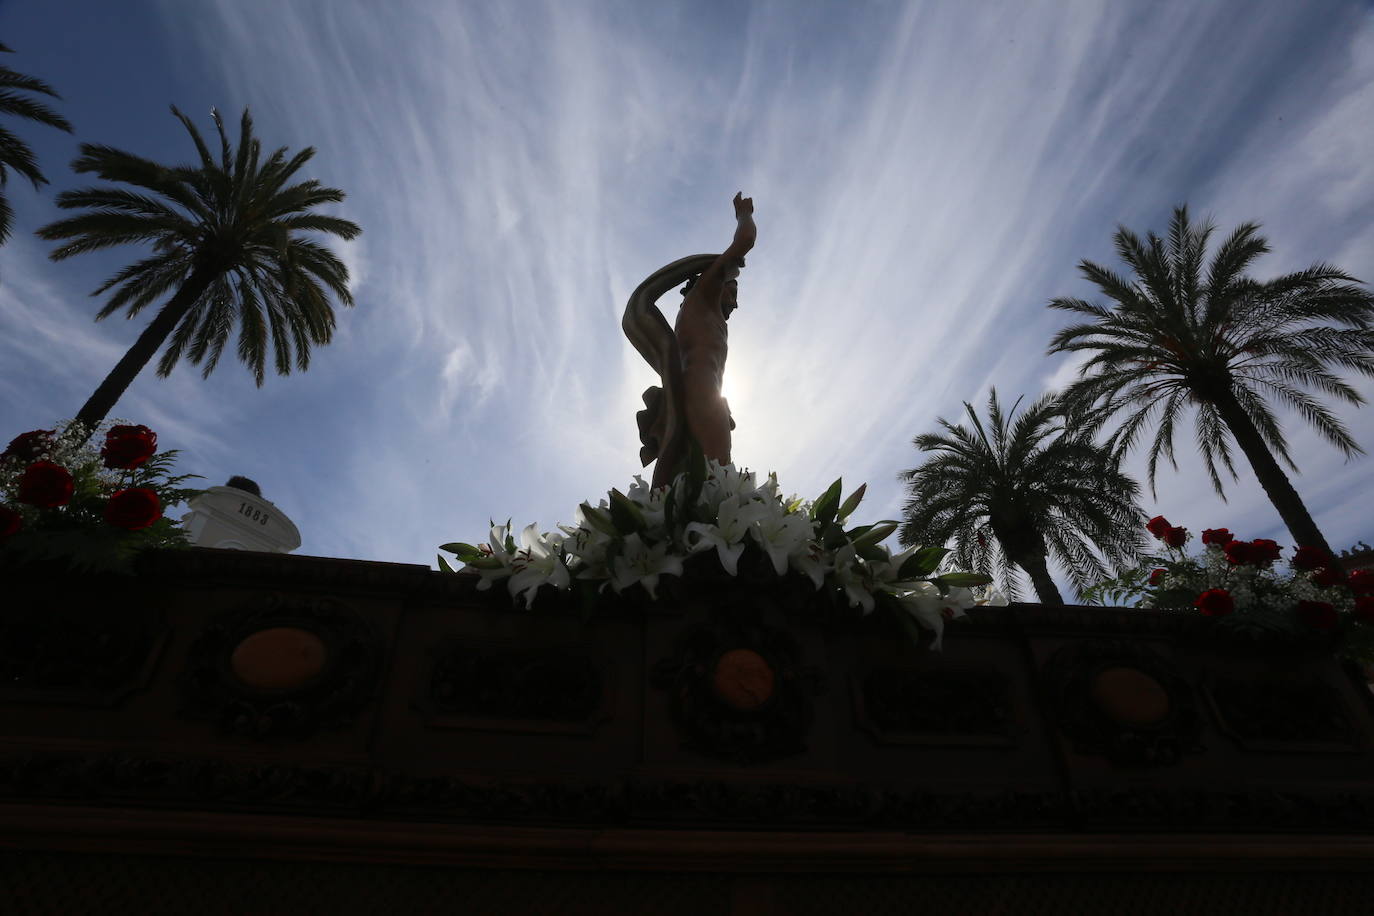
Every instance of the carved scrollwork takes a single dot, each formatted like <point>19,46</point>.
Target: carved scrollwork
<point>738,690</point>
<point>282,666</point>
<point>87,642</point>
<point>947,708</point>
<point>516,688</point>
<point>1282,714</point>
<point>132,780</point>
<point>1123,701</point>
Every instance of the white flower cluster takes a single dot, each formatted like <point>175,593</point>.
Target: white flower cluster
<point>67,447</point>
<point>637,537</point>
<point>1251,587</point>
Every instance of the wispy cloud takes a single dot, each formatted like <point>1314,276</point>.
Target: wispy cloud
<point>926,174</point>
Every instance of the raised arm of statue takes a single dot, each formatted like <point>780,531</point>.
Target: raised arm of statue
<point>689,357</point>
<point>733,257</point>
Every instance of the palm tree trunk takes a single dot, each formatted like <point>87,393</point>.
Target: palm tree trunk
<point>1045,589</point>
<point>1271,476</point>
<point>99,405</point>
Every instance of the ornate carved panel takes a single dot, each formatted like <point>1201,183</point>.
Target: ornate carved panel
<point>1282,714</point>
<point>738,690</point>
<point>200,783</point>
<point>1123,701</point>
<point>504,687</point>
<point>942,708</point>
<point>83,645</point>
<point>282,666</point>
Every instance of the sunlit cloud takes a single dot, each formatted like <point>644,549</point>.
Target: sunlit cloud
<point>927,176</point>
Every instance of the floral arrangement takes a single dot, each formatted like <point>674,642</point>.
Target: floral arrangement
<point>1239,580</point>
<point>94,510</point>
<point>721,519</point>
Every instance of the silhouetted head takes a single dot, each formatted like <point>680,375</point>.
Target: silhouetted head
<point>729,293</point>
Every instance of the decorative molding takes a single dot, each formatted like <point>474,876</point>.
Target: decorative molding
<point>121,778</point>
<point>1293,715</point>
<point>206,564</point>
<point>774,724</point>
<point>1072,679</point>
<point>1222,810</point>
<point>516,687</point>
<point>130,781</point>
<point>91,643</point>
<point>330,700</point>
<point>940,708</point>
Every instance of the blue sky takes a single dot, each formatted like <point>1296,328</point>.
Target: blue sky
<point>926,177</point>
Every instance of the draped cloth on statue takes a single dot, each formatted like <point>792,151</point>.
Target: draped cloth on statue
<point>662,423</point>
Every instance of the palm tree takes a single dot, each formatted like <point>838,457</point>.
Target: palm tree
<point>1018,493</point>
<point>1230,346</point>
<point>227,250</point>
<point>15,153</point>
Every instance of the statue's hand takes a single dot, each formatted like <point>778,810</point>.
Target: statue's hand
<point>744,206</point>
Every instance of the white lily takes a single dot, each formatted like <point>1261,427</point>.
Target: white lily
<point>733,521</point>
<point>584,542</point>
<point>722,482</point>
<point>538,563</point>
<point>930,609</point>
<point>809,560</point>
<point>995,598</point>
<point>642,564</point>
<point>851,576</point>
<point>781,535</point>
<point>650,503</point>
<point>495,548</point>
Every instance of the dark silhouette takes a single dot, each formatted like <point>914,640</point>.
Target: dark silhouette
<point>1018,493</point>
<point>1174,337</point>
<point>228,249</point>
<point>15,153</point>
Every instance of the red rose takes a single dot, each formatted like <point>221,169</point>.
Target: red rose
<point>1219,536</point>
<point>1156,576</point>
<point>1364,609</point>
<point>10,522</point>
<point>1157,526</point>
<point>1239,553</point>
<point>1317,614</point>
<point>1361,582</point>
<point>127,447</point>
<point>133,509</point>
<point>1309,558</point>
<point>1264,550</point>
<point>1328,576</point>
<point>1215,602</point>
<point>27,447</point>
<point>1176,537</point>
<point>45,485</point>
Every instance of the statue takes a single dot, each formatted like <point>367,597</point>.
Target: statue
<point>689,359</point>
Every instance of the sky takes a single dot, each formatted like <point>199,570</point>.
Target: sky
<point>926,177</point>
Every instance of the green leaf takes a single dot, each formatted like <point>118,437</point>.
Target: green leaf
<point>875,533</point>
<point>696,470</point>
<point>833,537</point>
<point>464,552</point>
<point>871,552</point>
<point>852,503</point>
<point>599,519</point>
<point>823,511</point>
<point>443,564</point>
<point>962,580</point>
<point>625,515</point>
<point>922,563</point>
